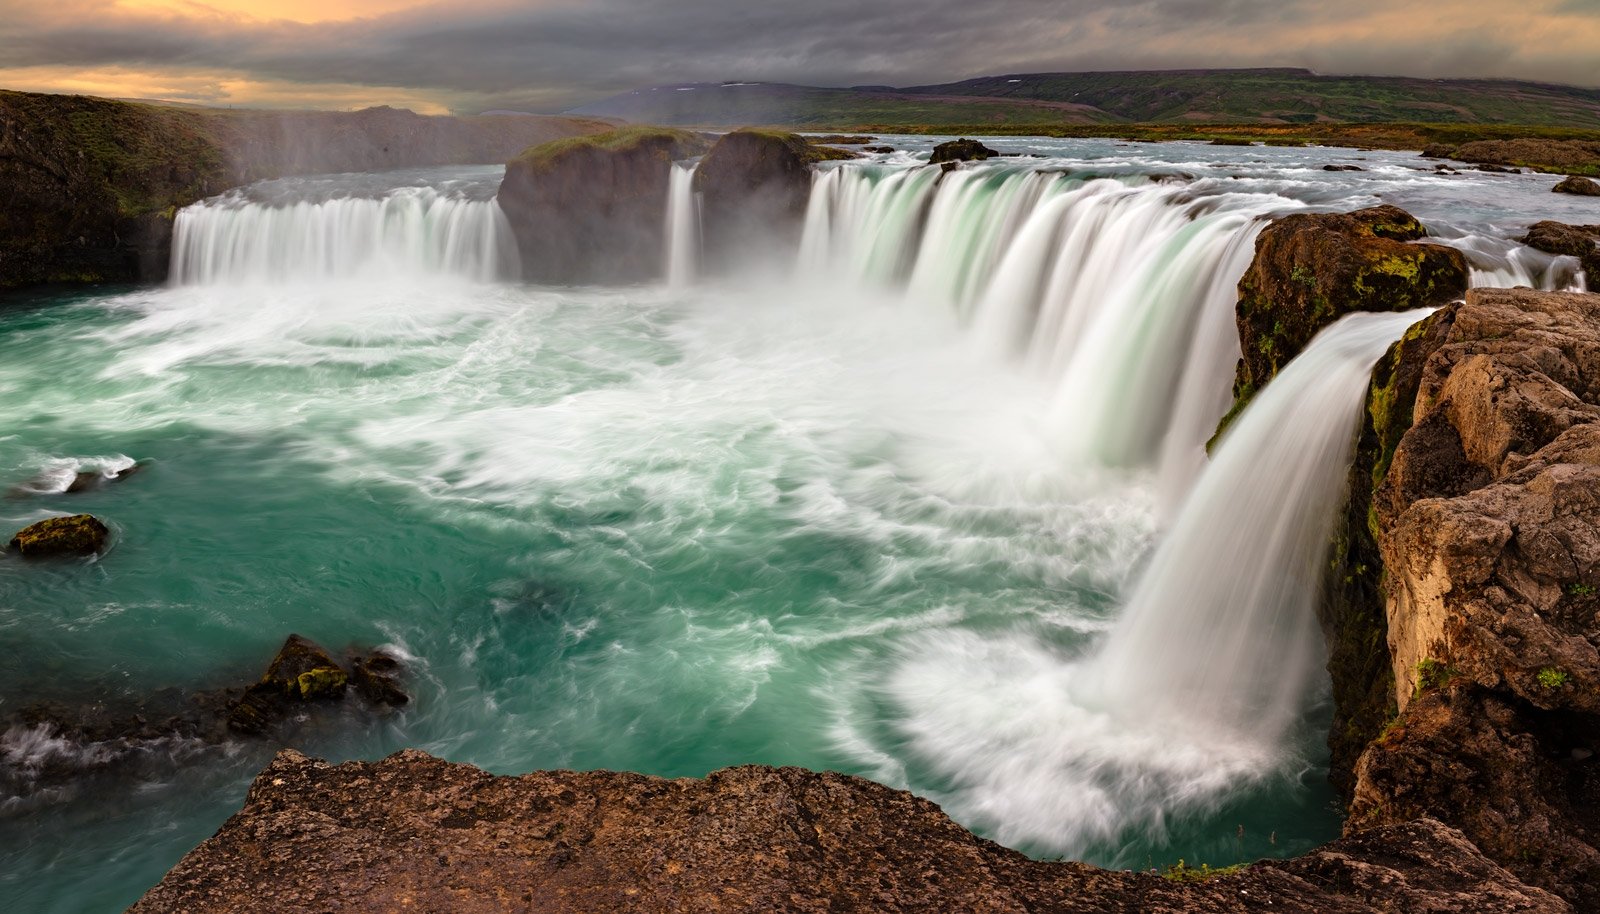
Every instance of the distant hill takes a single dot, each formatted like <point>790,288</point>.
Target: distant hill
<point>1267,96</point>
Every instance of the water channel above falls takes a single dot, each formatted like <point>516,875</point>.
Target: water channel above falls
<point>877,508</point>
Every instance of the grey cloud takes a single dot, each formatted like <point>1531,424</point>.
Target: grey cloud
<point>554,56</point>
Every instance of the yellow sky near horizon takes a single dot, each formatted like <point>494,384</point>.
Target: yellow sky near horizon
<point>307,11</point>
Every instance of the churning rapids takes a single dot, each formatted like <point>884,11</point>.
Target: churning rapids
<point>926,499</point>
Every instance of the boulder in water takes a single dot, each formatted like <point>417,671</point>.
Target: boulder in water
<point>79,534</point>
<point>302,671</point>
<point>376,675</point>
<point>962,150</point>
<point>1342,168</point>
<point>1580,241</point>
<point>589,208</point>
<point>1577,186</point>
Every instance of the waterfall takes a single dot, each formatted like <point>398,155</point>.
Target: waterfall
<point>1224,614</point>
<point>1117,292</point>
<point>683,228</point>
<point>409,231</point>
<point>1195,695</point>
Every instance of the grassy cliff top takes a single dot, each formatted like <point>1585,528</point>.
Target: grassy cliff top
<point>680,143</point>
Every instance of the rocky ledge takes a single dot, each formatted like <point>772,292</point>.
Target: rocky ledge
<point>415,833</point>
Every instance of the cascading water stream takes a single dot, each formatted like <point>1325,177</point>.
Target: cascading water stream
<point>409,231</point>
<point>1193,695</point>
<point>683,228</point>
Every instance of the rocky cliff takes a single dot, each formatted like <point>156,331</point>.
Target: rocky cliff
<point>590,209</point>
<point>753,186</point>
<point>415,833</point>
<point>1488,521</point>
<point>89,186</point>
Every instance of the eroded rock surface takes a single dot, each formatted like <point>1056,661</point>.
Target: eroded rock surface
<point>1488,520</point>
<point>415,833</point>
<point>1580,241</point>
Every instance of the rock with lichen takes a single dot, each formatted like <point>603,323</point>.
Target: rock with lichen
<point>302,671</point>
<point>79,534</point>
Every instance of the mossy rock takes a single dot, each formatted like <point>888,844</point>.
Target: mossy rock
<point>1311,269</point>
<point>663,143</point>
<point>79,534</point>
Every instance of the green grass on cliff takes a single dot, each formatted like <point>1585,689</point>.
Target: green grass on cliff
<point>621,139</point>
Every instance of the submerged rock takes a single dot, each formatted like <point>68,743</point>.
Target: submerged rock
<point>376,675</point>
<point>416,832</point>
<point>753,188</point>
<point>589,208</point>
<point>1578,186</point>
<point>962,150</point>
<point>1342,168</point>
<point>79,534</point>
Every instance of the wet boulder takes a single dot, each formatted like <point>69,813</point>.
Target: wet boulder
<point>79,534</point>
<point>1342,168</point>
<point>301,672</point>
<point>1580,241</point>
<point>753,187</point>
<point>1577,186</point>
<point>962,150</point>
<point>591,208</point>
<point>376,676</point>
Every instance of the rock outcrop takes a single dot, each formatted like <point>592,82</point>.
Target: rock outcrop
<point>587,209</point>
<point>416,833</point>
<point>1488,522</point>
<point>961,150</point>
<point>753,188</point>
<point>1577,185</point>
<point>1537,153</point>
<point>1311,269</point>
<point>55,537</point>
<point>48,745</point>
<point>89,186</point>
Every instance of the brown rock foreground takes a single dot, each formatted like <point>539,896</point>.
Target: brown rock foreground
<point>416,833</point>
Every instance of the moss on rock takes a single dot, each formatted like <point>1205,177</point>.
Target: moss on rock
<point>79,534</point>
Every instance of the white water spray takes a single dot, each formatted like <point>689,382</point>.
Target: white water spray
<point>1194,694</point>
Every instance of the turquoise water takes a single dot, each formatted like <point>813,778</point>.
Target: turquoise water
<point>610,528</point>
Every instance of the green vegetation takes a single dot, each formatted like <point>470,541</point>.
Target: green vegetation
<point>622,139</point>
<point>1023,103</point>
<point>1183,872</point>
<point>1581,590</point>
<point>1431,676</point>
<point>1552,678</point>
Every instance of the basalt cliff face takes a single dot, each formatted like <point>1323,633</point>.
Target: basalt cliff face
<point>89,186</point>
<point>418,834</point>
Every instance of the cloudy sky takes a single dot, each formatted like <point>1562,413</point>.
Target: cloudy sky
<point>547,55</point>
